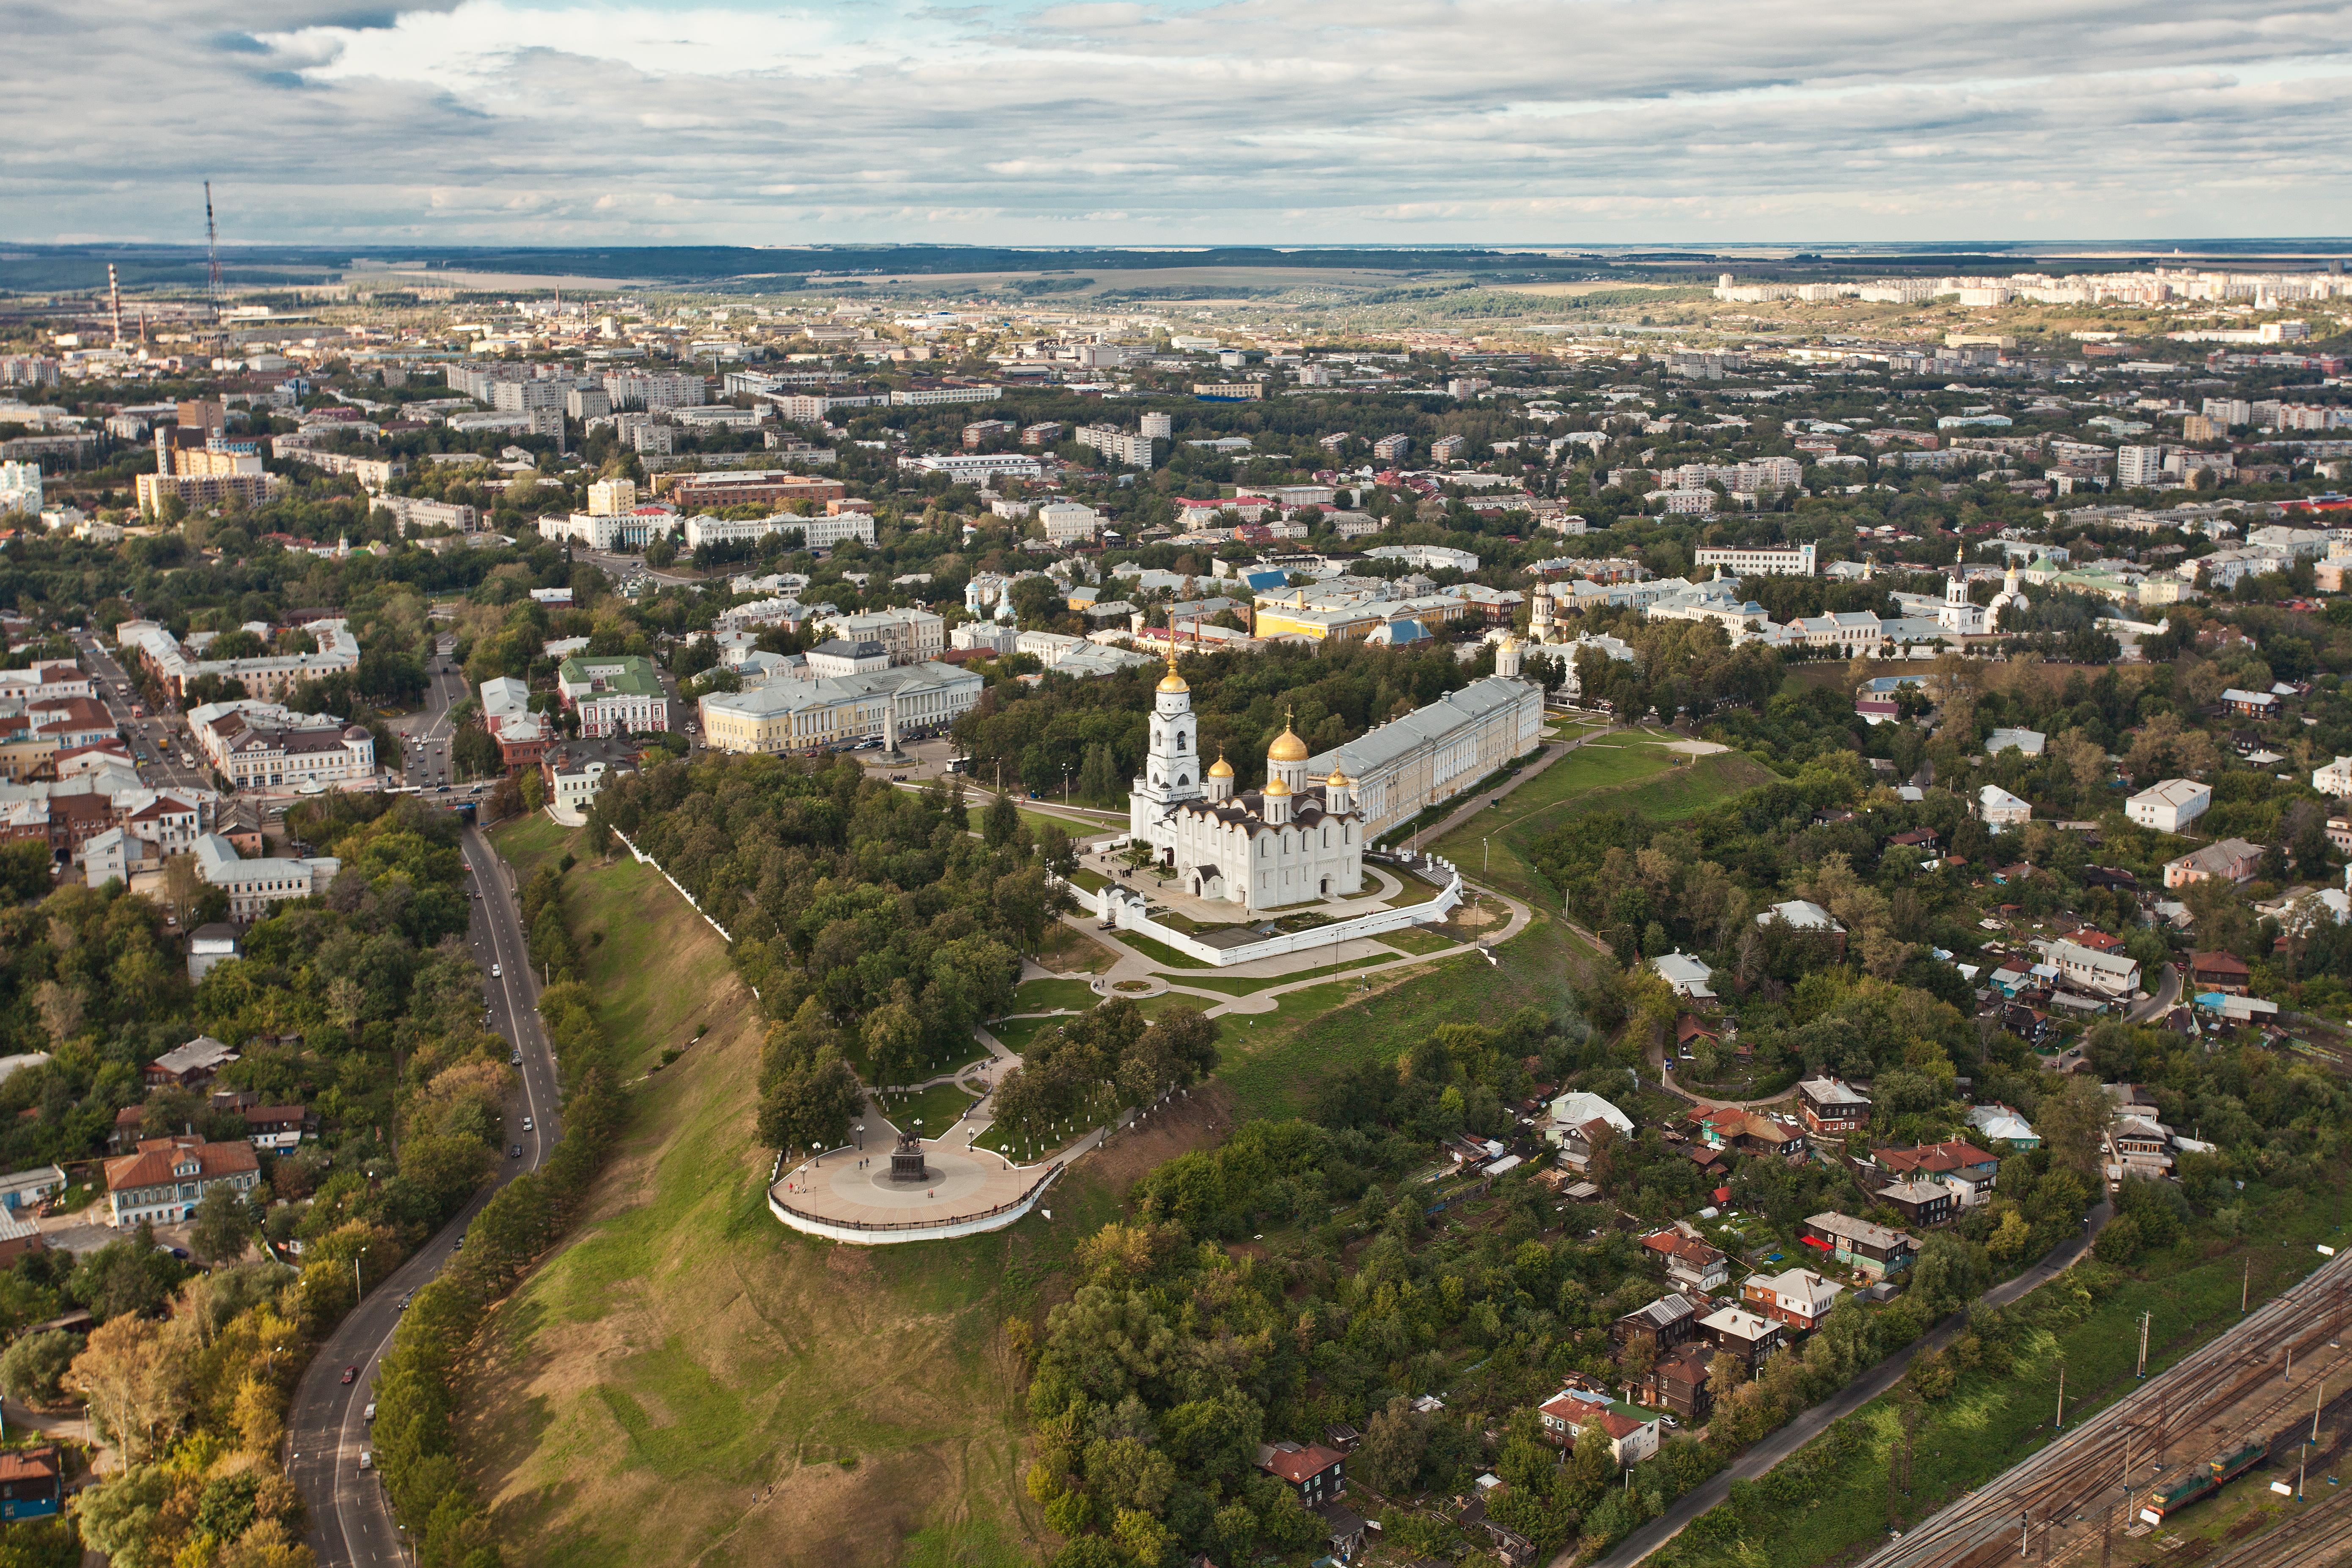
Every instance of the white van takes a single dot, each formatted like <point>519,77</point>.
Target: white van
<point>367,1460</point>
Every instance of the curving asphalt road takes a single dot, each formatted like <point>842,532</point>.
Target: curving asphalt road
<point>1811,1423</point>
<point>350,1520</point>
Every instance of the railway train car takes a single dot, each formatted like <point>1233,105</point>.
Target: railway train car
<point>2202,1483</point>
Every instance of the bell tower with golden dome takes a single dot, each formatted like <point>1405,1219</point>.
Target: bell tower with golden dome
<point>1172,768</point>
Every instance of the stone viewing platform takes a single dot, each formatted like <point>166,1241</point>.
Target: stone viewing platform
<point>867,1197</point>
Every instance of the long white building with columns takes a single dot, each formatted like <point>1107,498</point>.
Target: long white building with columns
<point>1294,842</point>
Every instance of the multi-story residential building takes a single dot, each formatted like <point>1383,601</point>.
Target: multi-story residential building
<point>2232,859</point>
<point>1797,1298</point>
<point>1393,448</point>
<point>1832,1107</point>
<point>1119,445</point>
<point>2334,778</point>
<point>1069,523</point>
<point>20,487</point>
<point>908,635</point>
<point>1919,1203</point>
<point>254,887</point>
<point>1736,1332</point>
<point>167,1179</point>
<point>51,682</point>
<point>2169,806</point>
<point>416,512</point>
<point>267,678</point>
<point>613,694</point>
<point>1229,390</point>
<point>2000,811</point>
<point>2138,466</point>
<point>651,390</point>
<point>933,396</point>
<point>1872,1250</point>
<point>260,745</point>
<point>573,770</point>
<point>1759,560</point>
<point>2108,973</point>
<point>770,486</point>
<point>975,467</point>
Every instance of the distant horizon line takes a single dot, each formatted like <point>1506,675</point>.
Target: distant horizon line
<point>1543,248</point>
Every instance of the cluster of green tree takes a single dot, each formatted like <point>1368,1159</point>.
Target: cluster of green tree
<point>1112,1050</point>
<point>419,1383</point>
<point>1680,668</point>
<point>876,904</point>
<point>1096,731</point>
<point>364,1004</point>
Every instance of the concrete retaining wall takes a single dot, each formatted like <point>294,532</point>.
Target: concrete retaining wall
<point>1125,907</point>
<point>875,1235</point>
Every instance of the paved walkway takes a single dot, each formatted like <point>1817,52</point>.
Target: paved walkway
<point>1810,1424</point>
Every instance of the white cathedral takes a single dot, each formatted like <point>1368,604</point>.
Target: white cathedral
<point>1291,843</point>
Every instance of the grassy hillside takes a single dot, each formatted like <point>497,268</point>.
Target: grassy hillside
<point>1272,1064</point>
<point>688,1382</point>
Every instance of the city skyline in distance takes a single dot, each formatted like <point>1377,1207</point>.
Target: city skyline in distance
<point>1573,122</point>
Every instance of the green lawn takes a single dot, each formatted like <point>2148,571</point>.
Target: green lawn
<point>1043,995</point>
<point>1017,1034</point>
<point>1273,1064</point>
<point>1418,940</point>
<point>525,842</point>
<point>1599,776</point>
<point>1244,986</point>
<point>937,1107</point>
<point>1018,1144</point>
<point>1990,1422</point>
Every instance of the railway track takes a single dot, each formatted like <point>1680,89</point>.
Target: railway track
<point>2316,1538</point>
<point>2169,1421</point>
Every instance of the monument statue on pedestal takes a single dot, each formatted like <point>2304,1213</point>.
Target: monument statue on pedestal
<point>906,1159</point>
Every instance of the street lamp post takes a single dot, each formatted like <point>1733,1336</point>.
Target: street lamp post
<point>357,1283</point>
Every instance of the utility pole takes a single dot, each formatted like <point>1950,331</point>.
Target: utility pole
<point>2061,1396</point>
<point>2141,1371</point>
<point>2245,1285</point>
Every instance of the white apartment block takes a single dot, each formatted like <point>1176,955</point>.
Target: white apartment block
<point>2171,805</point>
<point>20,487</point>
<point>1761,561</point>
<point>932,396</point>
<point>2334,778</point>
<point>416,512</point>
<point>1119,445</point>
<point>816,532</point>
<point>2139,466</point>
<point>1069,523</point>
<point>971,467</point>
<point>254,887</point>
<point>267,678</point>
<point>651,390</point>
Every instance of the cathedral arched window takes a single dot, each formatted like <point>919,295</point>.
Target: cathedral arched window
<point>1326,835</point>
<point>1180,740</point>
<point>1182,780</point>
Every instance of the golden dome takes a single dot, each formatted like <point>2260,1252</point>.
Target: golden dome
<point>1276,789</point>
<point>1286,748</point>
<point>1172,682</point>
<point>1338,779</point>
<point>1221,769</point>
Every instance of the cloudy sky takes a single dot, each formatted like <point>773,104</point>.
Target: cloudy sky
<point>1176,122</point>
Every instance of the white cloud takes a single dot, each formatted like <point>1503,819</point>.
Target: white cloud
<point>1407,121</point>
